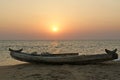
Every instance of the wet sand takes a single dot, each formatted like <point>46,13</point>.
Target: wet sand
<point>16,70</point>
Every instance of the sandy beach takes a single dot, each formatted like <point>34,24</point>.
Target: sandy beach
<point>16,70</point>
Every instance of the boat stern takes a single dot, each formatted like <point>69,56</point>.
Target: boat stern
<point>112,53</point>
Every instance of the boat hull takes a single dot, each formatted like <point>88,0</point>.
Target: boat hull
<point>62,59</point>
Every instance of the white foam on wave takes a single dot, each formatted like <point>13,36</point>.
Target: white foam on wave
<point>117,60</point>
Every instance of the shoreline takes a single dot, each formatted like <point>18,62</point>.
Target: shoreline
<point>16,70</point>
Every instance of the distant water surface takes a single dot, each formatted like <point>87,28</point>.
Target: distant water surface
<point>82,47</point>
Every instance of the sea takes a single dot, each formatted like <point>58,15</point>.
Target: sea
<point>83,47</point>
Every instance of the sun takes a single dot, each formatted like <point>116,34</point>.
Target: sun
<point>55,29</point>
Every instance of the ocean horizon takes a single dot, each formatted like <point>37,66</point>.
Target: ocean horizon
<point>83,47</point>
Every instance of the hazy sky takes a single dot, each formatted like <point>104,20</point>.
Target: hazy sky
<point>76,19</point>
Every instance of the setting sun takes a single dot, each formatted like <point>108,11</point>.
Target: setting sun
<point>59,19</point>
<point>55,29</point>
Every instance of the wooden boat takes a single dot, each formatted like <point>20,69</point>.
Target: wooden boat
<point>66,58</point>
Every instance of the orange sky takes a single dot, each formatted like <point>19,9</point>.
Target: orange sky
<point>76,19</point>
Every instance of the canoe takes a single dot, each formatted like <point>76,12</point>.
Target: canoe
<point>63,58</point>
